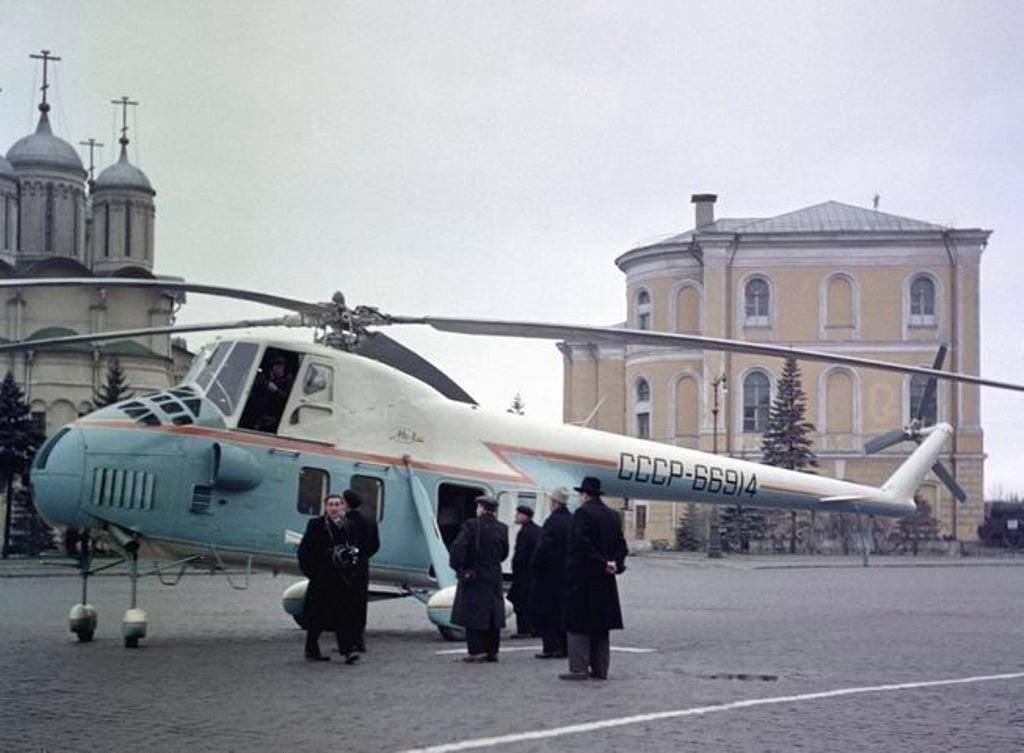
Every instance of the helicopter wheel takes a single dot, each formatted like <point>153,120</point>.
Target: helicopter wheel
<point>84,636</point>
<point>450,634</point>
<point>131,642</point>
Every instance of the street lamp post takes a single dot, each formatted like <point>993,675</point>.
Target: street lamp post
<point>718,385</point>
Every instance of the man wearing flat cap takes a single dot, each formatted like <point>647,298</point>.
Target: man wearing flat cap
<point>519,594</point>
<point>363,531</point>
<point>597,553</point>
<point>476,556</point>
<point>547,594</point>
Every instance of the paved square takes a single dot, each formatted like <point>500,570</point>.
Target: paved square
<point>222,670</point>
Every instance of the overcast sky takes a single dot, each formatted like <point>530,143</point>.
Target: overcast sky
<point>493,158</point>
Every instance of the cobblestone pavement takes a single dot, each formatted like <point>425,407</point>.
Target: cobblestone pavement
<point>222,670</point>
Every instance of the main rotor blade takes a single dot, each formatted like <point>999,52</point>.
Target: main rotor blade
<point>125,334</point>
<point>292,304</point>
<point>947,478</point>
<point>888,439</point>
<point>928,395</point>
<point>380,347</point>
<point>615,335</point>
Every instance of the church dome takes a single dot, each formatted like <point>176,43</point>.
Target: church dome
<point>124,175</point>
<point>43,149</point>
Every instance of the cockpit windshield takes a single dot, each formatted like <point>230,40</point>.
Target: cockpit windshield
<point>270,390</point>
<point>226,388</point>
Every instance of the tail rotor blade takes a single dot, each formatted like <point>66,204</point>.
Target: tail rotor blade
<point>929,391</point>
<point>947,479</point>
<point>879,443</point>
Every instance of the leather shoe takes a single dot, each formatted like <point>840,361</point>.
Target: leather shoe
<point>474,659</point>
<point>317,657</point>
<point>491,658</point>
<point>351,658</point>
<point>574,676</point>
<point>548,656</point>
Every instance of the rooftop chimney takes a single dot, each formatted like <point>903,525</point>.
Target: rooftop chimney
<point>705,209</point>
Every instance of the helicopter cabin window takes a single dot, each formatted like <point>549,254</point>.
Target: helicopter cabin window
<point>227,387</point>
<point>371,490</point>
<point>314,483</point>
<point>270,390</point>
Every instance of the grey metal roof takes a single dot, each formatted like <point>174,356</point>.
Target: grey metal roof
<point>123,174</point>
<point>43,149</point>
<point>834,216</point>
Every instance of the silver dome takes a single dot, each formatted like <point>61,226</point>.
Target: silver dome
<point>43,149</point>
<point>124,175</point>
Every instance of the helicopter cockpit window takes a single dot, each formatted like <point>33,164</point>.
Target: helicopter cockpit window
<point>270,390</point>
<point>227,387</point>
<point>213,363</point>
<point>318,383</point>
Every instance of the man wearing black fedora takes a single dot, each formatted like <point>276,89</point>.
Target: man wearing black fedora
<point>597,553</point>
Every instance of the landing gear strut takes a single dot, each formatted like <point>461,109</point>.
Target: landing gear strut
<point>82,618</point>
<point>133,626</point>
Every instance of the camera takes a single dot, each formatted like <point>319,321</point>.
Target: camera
<point>345,557</point>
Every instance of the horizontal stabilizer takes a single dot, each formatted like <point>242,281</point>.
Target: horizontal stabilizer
<point>842,498</point>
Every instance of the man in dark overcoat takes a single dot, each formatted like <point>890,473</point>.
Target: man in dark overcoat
<point>597,553</point>
<point>476,557</point>
<point>329,597</point>
<point>547,594</point>
<point>519,594</point>
<point>363,533</point>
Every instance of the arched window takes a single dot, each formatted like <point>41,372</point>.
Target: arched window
<point>930,411</point>
<point>643,409</point>
<point>756,402</point>
<point>922,300</point>
<point>688,310</point>
<point>128,228</point>
<point>756,302</point>
<point>840,302</point>
<point>839,406</point>
<point>643,310</point>
<point>687,412</point>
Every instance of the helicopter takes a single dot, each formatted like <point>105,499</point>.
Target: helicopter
<point>217,469</point>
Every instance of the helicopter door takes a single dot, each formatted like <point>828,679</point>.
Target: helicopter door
<point>313,399</point>
<point>455,504</point>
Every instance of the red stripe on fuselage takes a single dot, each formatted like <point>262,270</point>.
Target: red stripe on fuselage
<point>324,449</point>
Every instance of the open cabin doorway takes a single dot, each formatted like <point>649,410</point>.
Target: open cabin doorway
<point>456,503</point>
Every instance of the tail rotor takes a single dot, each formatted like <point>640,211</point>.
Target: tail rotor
<point>913,432</point>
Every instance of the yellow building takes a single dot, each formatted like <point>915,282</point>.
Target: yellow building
<point>831,277</point>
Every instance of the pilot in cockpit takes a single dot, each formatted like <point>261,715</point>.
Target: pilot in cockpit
<point>270,394</point>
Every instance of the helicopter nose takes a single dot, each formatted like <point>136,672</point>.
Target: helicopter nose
<point>57,478</point>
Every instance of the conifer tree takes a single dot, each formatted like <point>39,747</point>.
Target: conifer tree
<point>115,386</point>
<point>787,441</point>
<point>518,405</point>
<point>19,440</point>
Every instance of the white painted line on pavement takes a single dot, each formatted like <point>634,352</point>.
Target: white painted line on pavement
<point>572,729</point>
<point>624,649</point>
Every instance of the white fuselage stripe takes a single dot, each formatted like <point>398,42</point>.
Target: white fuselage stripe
<point>572,729</point>
<point>623,649</point>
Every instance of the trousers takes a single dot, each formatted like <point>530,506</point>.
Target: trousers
<point>590,651</point>
<point>555,640</point>
<point>523,624</point>
<point>346,638</point>
<point>483,641</point>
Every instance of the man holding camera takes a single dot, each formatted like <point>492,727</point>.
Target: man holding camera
<point>362,531</point>
<point>329,557</point>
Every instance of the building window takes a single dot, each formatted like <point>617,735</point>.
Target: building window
<point>74,211</point>
<point>106,230</point>
<point>643,391</point>
<point>48,219</point>
<point>7,222</point>
<point>643,425</point>
<point>922,301</point>
<point>756,302</point>
<point>643,310</point>
<point>756,402</point>
<point>929,411</point>
<point>127,228</point>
